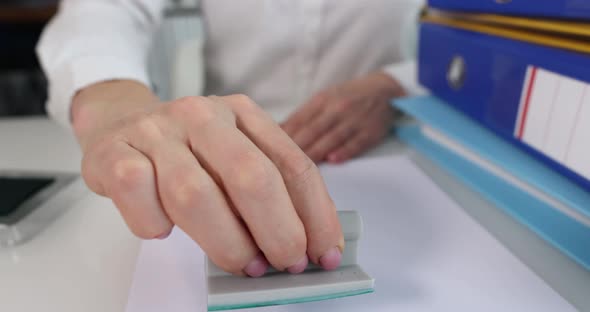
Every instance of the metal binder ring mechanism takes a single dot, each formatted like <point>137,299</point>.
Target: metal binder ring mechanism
<point>456,72</point>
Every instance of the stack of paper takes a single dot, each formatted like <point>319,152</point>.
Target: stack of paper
<point>425,253</point>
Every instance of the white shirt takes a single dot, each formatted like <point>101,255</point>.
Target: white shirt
<point>278,52</point>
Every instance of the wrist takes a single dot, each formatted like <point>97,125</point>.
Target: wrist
<point>100,105</point>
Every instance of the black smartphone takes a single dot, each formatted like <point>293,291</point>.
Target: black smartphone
<point>15,191</point>
<point>22,194</point>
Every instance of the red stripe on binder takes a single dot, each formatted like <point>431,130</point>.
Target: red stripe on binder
<point>525,110</point>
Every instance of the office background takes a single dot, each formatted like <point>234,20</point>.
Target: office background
<point>22,83</point>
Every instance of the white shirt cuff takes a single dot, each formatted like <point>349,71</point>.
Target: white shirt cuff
<point>82,72</point>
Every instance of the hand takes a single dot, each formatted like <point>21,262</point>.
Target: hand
<point>346,120</point>
<point>221,170</point>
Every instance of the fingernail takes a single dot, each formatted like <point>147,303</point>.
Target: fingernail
<point>164,235</point>
<point>299,266</point>
<point>335,159</point>
<point>331,259</point>
<point>257,267</point>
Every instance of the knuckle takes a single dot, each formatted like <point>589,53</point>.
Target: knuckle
<point>253,174</point>
<point>128,173</point>
<point>345,102</point>
<point>96,158</point>
<point>344,133</point>
<point>185,192</point>
<point>185,104</point>
<point>245,100</point>
<point>297,167</point>
<point>195,108</point>
<point>340,106</point>
<point>244,104</point>
<point>179,107</point>
<point>101,147</point>
<point>147,127</point>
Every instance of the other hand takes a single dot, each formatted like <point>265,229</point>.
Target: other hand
<point>346,120</point>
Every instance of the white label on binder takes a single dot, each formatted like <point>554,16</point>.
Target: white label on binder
<point>554,118</point>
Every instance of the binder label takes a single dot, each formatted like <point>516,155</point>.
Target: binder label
<point>554,118</point>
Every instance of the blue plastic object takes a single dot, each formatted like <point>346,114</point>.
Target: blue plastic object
<point>575,9</point>
<point>565,233</point>
<point>495,70</point>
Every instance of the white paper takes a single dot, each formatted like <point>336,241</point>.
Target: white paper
<point>424,251</point>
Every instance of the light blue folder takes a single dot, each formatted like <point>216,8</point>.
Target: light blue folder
<point>567,234</point>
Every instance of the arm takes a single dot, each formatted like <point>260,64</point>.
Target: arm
<point>198,163</point>
<point>345,120</point>
<point>90,41</point>
<point>100,104</point>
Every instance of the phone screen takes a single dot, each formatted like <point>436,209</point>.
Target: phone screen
<point>16,190</point>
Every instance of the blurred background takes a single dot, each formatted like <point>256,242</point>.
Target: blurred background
<point>23,86</point>
<point>21,80</point>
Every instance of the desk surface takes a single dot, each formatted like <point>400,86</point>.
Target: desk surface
<point>85,260</point>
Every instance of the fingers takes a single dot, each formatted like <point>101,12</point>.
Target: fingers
<point>250,179</point>
<point>304,115</point>
<point>358,144</point>
<point>330,122</point>
<point>321,123</point>
<point>305,186</point>
<point>333,111</point>
<point>331,140</point>
<point>192,199</point>
<point>122,173</point>
<point>377,123</point>
<point>198,206</point>
<point>239,186</point>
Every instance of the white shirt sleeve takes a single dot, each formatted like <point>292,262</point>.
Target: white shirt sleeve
<point>90,41</point>
<point>406,71</point>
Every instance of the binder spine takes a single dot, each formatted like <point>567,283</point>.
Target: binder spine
<point>533,96</point>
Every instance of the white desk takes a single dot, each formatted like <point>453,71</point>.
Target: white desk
<point>85,260</point>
